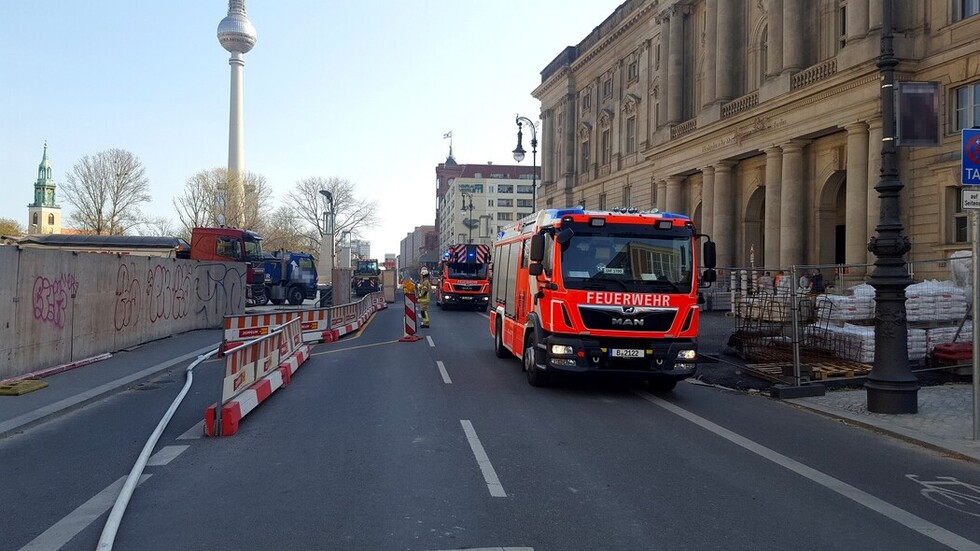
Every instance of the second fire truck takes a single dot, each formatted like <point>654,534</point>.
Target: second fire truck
<point>612,292</point>
<point>464,277</point>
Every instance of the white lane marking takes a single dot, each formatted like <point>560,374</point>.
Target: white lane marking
<point>67,528</point>
<point>445,374</point>
<point>431,343</point>
<point>901,516</point>
<point>493,483</point>
<point>165,456</point>
<point>193,433</point>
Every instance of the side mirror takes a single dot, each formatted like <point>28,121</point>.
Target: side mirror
<point>708,258</point>
<point>709,276</point>
<point>564,236</point>
<point>535,269</point>
<point>537,248</point>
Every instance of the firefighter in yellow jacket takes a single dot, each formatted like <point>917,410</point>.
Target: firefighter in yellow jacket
<point>422,292</point>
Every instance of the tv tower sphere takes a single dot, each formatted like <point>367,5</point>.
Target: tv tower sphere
<point>235,32</point>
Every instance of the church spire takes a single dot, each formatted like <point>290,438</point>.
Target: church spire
<point>44,186</point>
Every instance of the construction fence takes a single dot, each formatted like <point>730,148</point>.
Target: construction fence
<point>817,322</point>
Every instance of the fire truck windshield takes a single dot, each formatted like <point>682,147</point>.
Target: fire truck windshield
<point>634,261</point>
<point>462,270</point>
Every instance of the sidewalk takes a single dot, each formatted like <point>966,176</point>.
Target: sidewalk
<point>944,421</point>
<point>74,389</point>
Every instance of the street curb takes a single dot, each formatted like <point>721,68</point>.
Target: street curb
<point>57,409</point>
<point>907,435</point>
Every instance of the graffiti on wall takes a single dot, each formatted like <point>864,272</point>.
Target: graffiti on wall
<point>220,291</point>
<point>164,293</point>
<point>50,298</point>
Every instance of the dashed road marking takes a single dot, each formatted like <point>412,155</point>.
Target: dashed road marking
<point>444,373</point>
<point>432,344</point>
<point>67,528</point>
<point>165,456</point>
<point>493,483</point>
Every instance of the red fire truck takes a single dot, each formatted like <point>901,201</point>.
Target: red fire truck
<point>612,292</point>
<point>464,277</point>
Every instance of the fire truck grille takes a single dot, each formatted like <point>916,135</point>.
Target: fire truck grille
<point>616,319</point>
<point>465,287</point>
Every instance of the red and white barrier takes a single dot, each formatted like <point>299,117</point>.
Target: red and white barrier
<point>253,371</point>
<point>411,320</point>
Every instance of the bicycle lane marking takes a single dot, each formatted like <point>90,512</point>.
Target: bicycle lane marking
<point>901,516</point>
<point>944,487</point>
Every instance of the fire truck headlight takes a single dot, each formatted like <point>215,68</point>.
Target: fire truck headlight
<point>562,350</point>
<point>688,354</point>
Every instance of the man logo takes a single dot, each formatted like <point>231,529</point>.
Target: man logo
<point>629,309</point>
<point>627,321</point>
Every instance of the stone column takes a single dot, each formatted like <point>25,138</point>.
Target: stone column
<point>708,201</point>
<point>661,196</point>
<point>856,217</point>
<point>643,110</point>
<point>792,220</point>
<point>774,53</point>
<point>792,35</point>
<point>674,194</point>
<point>675,69</point>
<point>724,215</point>
<point>874,175</point>
<point>710,47</point>
<point>774,175</point>
<point>725,58</point>
<point>857,19</point>
<point>663,73</point>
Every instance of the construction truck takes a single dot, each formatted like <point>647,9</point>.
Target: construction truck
<point>289,277</point>
<point>464,277</point>
<point>366,278</point>
<point>221,244</point>
<point>601,292</point>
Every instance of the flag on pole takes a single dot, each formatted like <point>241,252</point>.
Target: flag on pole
<point>447,135</point>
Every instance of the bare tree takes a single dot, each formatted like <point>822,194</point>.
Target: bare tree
<point>283,231</point>
<point>106,191</point>
<point>350,213</point>
<point>204,203</point>
<point>159,226</point>
<point>10,227</point>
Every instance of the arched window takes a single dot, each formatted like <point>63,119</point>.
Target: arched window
<point>34,219</point>
<point>50,219</point>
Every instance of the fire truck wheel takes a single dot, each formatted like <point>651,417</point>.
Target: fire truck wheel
<point>498,343</point>
<point>535,376</point>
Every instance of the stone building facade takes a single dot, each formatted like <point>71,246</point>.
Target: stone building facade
<point>761,119</point>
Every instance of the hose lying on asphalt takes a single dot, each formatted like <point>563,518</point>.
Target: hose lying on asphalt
<point>119,508</point>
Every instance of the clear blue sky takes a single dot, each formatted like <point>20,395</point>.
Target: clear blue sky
<point>359,90</point>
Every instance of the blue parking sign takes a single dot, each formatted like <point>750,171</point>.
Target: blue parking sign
<point>971,156</point>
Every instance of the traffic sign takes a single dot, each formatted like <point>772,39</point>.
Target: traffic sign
<point>971,199</point>
<point>971,156</point>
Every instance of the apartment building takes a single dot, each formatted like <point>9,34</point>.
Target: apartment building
<point>475,201</point>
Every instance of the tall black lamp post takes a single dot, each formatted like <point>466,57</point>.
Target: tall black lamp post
<point>468,209</point>
<point>519,155</point>
<point>891,386</point>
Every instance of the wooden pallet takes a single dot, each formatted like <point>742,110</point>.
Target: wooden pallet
<point>776,372</point>
<point>839,370</point>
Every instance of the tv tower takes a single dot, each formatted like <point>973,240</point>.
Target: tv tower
<point>237,35</point>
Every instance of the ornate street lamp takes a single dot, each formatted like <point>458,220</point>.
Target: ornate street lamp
<point>891,386</point>
<point>519,155</point>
